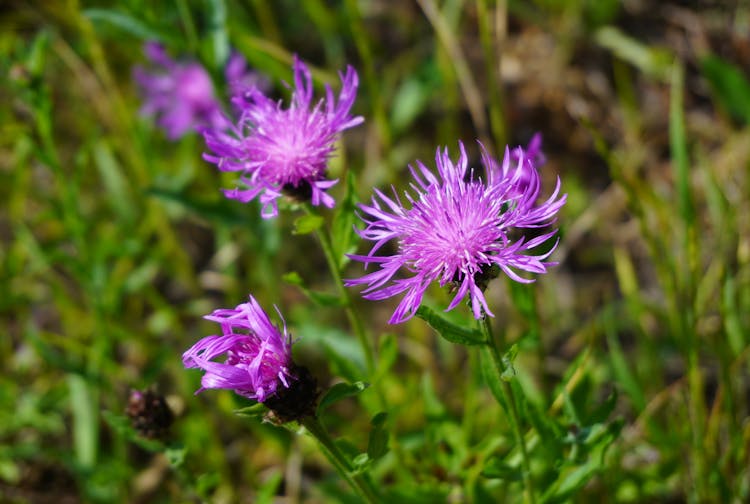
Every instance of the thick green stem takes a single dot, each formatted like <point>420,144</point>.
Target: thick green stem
<point>507,400</point>
<point>358,481</point>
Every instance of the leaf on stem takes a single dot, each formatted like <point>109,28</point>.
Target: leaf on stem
<point>497,468</point>
<point>319,298</point>
<point>339,392</point>
<point>306,224</point>
<point>377,445</point>
<point>448,330</point>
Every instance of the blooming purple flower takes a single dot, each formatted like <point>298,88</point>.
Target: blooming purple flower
<point>179,94</point>
<point>258,355</point>
<point>276,149</point>
<point>456,230</point>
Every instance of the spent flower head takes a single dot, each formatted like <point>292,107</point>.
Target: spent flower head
<point>456,229</point>
<point>278,150</point>
<point>257,356</point>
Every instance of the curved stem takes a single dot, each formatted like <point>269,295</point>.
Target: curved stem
<point>354,320</point>
<point>358,481</point>
<point>507,400</point>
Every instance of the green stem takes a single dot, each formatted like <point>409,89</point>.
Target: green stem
<point>507,400</point>
<point>354,320</point>
<point>362,42</point>
<point>358,481</point>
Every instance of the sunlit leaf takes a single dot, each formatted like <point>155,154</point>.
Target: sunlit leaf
<point>338,392</point>
<point>449,330</point>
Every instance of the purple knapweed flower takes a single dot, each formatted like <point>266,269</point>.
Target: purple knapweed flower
<point>258,356</point>
<point>278,150</point>
<point>457,229</point>
<point>532,152</point>
<point>241,80</point>
<point>179,94</point>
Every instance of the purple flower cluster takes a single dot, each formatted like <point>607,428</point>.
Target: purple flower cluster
<point>276,149</point>
<point>180,94</point>
<point>258,357</point>
<point>456,228</point>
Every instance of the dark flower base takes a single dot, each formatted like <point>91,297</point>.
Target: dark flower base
<point>149,414</point>
<point>295,402</point>
<point>302,192</point>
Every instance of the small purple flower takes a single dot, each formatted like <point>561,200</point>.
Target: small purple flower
<point>240,80</point>
<point>533,152</point>
<point>276,149</point>
<point>179,94</point>
<point>258,355</point>
<point>457,230</point>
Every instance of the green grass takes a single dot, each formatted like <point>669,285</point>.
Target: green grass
<point>628,363</point>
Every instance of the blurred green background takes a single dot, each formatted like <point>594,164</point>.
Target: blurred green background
<point>115,242</point>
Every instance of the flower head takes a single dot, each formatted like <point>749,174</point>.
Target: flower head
<point>456,229</point>
<point>275,149</point>
<point>258,356</point>
<point>179,94</point>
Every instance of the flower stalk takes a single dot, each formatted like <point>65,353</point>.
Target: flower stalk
<point>358,481</point>
<point>354,320</point>
<point>507,401</point>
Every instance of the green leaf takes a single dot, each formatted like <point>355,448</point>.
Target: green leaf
<point>449,330</point>
<point>729,85</point>
<point>549,431</point>
<point>217,34</point>
<point>361,463</point>
<point>409,101</point>
<point>84,406</point>
<point>620,366</point>
<point>601,413</point>
<point>377,446</point>
<point>652,61</point>
<point>319,298</point>
<point>379,419</point>
<point>293,278</point>
<point>306,224</point>
<point>487,366</point>
<point>338,392</point>
<point>342,351</point>
<point>387,354</point>
<point>257,410</point>
<point>433,407</point>
<point>206,484</point>
<point>575,477</point>
<point>125,22</point>
<point>176,455</point>
<point>221,210</point>
<point>114,181</point>
<point>37,54</point>
<point>678,144</point>
<point>508,357</point>
<point>497,468</point>
<point>267,491</point>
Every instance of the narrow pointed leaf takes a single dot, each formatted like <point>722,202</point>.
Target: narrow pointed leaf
<point>449,330</point>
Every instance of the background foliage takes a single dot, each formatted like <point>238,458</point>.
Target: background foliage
<point>632,354</point>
